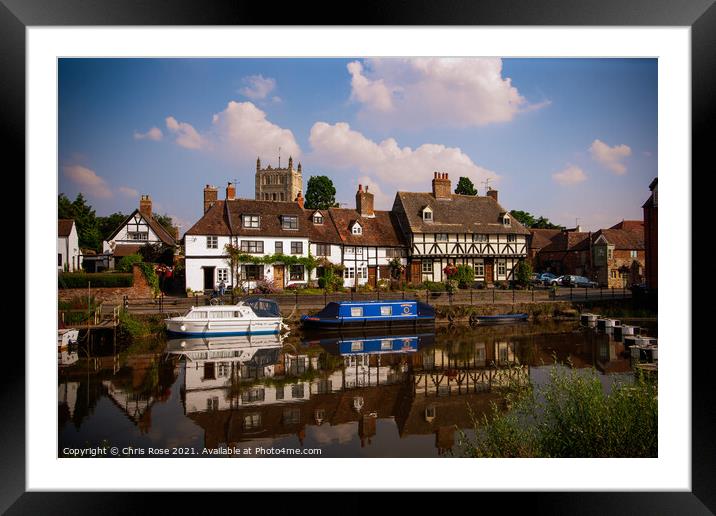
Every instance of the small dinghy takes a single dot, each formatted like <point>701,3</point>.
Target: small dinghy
<point>497,319</point>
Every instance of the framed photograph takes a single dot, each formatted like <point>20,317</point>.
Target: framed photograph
<point>329,258</point>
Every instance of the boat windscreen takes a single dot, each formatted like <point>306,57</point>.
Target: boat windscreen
<point>263,307</point>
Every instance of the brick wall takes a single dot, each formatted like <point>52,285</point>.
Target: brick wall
<point>139,289</point>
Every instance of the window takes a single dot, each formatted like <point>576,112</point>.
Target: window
<point>252,421</point>
<point>479,238</point>
<point>386,310</point>
<point>138,235</point>
<point>427,215</point>
<point>501,267</point>
<point>506,221</point>
<point>349,273</point>
<point>212,403</point>
<point>479,269</point>
<point>427,267</point>
<point>323,250</point>
<point>296,273</point>
<point>289,222</point>
<point>212,242</point>
<point>394,252</point>
<point>354,250</point>
<point>291,416</point>
<point>222,275</point>
<point>279,247</point>
<point>296,247</point>
<point>610,254</point>
<point>362,272</point>
<point>279,393</point>
<point>253,272</point>
<point>356,311</point>
<point>297,390</point>
<point>512,238</point>
<point>59,259</point>
<point>252,395</point>
<point>386,345</point>
<point>252,246</point>
<point>441,237</point>
<point>357,229</point>
<point>250,221</point>
<point>318,218</point>
<point>633,254</point>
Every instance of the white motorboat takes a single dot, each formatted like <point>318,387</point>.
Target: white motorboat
<point>249,317</point>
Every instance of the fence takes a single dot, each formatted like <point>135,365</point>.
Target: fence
<point>288,301</point>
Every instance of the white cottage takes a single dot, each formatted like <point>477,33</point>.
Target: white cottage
<point>258,228</point>
<point>68,246</point>
<point>138,229</point>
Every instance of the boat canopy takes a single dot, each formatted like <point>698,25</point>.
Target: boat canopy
<point>263,307</point>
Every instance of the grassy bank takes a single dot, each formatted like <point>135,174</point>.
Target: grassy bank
<point>139,326</point>
<point>571,416</point>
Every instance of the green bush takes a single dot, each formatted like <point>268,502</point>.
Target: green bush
<point>94,280</point>
<point>433,286</point>
<point>464,276</point>
<point>151,276</point>
<point>523,273</point>
<point>571,416</point>
<point>126,262</point>
<point>330,280</point>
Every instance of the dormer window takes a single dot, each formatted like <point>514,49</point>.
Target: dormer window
<point>427,214</point>
<point>289,222</point>
<point>356,229</point>
<point>506,221</point>
<point>250,221</point>
<point>318,218</point>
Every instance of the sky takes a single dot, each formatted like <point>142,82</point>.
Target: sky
<point>574,140</point>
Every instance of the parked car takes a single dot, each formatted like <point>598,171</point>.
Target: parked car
<point>546,277</point>
<point>578,281</point>
<point>554,281</point>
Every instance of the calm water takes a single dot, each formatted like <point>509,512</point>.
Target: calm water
<point>355,396</point>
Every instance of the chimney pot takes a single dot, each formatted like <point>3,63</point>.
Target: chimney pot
<point>145,205</point>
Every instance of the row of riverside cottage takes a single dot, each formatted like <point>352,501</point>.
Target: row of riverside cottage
<point>425,231</point>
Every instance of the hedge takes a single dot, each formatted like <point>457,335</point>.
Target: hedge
<point>95,280</point>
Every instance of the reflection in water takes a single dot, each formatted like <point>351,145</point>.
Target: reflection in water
<point>355,395</point>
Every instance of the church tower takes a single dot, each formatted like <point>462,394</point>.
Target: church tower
<point>278,184</point>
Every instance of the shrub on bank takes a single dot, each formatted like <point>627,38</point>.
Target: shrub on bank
<point>126,262</point>
<point>94,280</point>
<point>571,416</point>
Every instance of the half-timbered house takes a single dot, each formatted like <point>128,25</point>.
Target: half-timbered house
<point>442,228</point>
<point>138,229</point>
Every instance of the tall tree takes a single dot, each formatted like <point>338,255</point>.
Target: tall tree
<point>108,224</point>
<point>85,219</point>
<point>166,221</point>
<point>529,221</point>
<point>465,187</point>
<point>320,193</point>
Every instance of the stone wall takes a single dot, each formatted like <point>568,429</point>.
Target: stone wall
<point>139,289</point>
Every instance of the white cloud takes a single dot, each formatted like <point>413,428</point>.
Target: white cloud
<point>340,147</point>
<point>571,175</point>
<point>257,87</point>
<point>186,135</point>
<point>154,134</point>
<point>610,157</point>
<point>454,92</point>
<point>88,181</point>
<point>240,131</point>
<point>129,192</point>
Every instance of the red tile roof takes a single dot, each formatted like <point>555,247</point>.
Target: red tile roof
<point>64,227</point>
<point>630,225</point>
<point>622,238</point>
<point>381,230</point>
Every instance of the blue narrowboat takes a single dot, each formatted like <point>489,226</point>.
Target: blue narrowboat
<point>364,314</point>
<point>381,344</point>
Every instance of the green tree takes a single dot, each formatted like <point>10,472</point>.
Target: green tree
<point>544,223</point>
<point>465,187</point>
<point>524,273</point>
<point>320,193</point>
<point>85,220</point>
<point>166,221</point>
<point>524,218</point>
<point>108,224</point>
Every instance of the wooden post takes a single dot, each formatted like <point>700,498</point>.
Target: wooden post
<point>493,294</point>
<point>470,297</point>
<point>513,295</point>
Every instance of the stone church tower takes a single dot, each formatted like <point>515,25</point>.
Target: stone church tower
<point>278,184</point>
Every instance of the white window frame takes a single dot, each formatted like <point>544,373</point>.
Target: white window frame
<point>299,245</point>
<point>349,273</point>
<point>357,229</point>
<point>427,215</point>
<point>479,269</point>
<point>222,274</point>
<point>502,267</point>
<point>479,237</point>
<point>511,238</point>
<point>212,242</point>
<point>427,264</point>
<point>439,237</point>
<point>251,221</point>
<point>287,221</point>
<point>138,235</point>
<point>318,219</point>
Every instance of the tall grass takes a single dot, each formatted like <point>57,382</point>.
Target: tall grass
<point>571,416</point>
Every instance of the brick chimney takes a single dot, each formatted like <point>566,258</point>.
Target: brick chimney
<point>364,202</point>
<point>230,192</point>
<point>441,186</point>
<point>211,194</point>
<point>299,200</point>
<point>145,206</point>
<point>492,193</point>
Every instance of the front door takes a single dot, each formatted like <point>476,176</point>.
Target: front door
<point>372,276</point>
<point>416,271</point>
<point>209,278</point>
<point>489,270</point>
<point>278,271</point>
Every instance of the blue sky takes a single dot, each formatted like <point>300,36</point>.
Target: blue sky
<point>562,138</point>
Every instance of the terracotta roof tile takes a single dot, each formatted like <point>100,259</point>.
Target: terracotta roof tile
<point>64,227</point>
<point>381,230</point>
<point>459,214</point>
<point>622,238</point>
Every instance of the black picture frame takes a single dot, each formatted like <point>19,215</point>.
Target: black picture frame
<point>17,15</point>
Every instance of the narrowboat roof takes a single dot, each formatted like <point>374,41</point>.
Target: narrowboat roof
<point>386,302</point>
